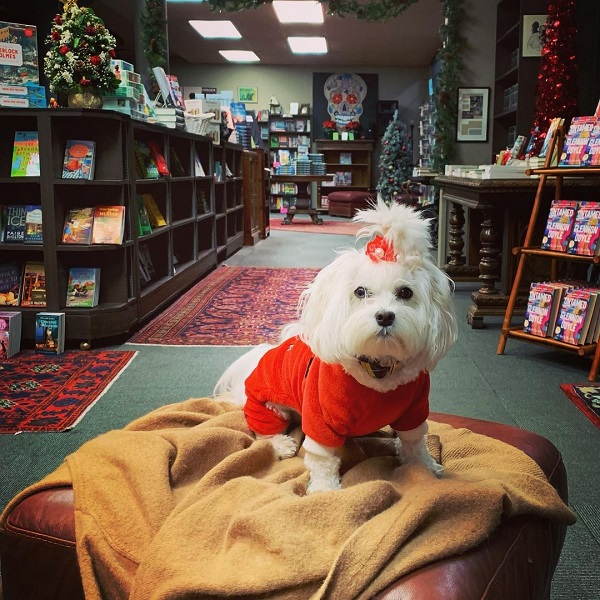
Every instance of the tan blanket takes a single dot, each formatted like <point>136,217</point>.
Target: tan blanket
<point>185,503</point>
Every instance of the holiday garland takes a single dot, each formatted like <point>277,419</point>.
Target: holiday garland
<point>444,97</point>
<point>81,48</point>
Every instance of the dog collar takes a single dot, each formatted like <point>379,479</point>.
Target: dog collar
<point>374,368</point>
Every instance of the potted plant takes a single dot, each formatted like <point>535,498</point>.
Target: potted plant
<point>78,60</point>
<point>329,128</point>
<point>353,129</point>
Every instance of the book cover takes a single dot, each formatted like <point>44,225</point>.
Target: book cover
<point>33,290</point>
<point>10,283</point>
<point>576,141</point>
<point>10,334</point>
<point>144,227</point>
<point>14,223</point>
<point>156,217</point>
<point>591,153</point>
<point>145,166</point>
<point>571,316</point>
<point>586,230</point>
<point>33,225</point>
<point>345,158</point>
<point>50,333</point>
<point>83,286</point>
<point>559,225</point>
<point>539,308</point>
<point>146,264</point>
<point>109,225</point>
<point>78,226</point>
<point>554,125</point>
<point>26,155</point>
<point>19,61</point>
<point>79,161</point>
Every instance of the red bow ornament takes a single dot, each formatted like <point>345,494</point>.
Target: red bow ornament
<point>379,249</point>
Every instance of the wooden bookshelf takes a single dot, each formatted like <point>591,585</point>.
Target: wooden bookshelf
<point>198,235</point>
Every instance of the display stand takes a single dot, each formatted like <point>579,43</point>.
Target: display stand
<point>303,197</point>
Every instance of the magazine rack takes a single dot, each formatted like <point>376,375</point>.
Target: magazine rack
<point>530,249</point>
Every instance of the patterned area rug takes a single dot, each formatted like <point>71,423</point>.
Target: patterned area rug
<point>303,224</point>
<point>52,393</point>
<point>233,306</point>
<point>586,398</point>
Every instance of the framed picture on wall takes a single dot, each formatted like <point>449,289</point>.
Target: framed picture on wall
<point>472,114</point>
<point>533,27</point>
<point>249,95</point>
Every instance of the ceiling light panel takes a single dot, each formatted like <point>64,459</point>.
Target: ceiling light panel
<point>216,29</point>
<point>239,55</point>
<point>308,45</point>
<point>298,12</point>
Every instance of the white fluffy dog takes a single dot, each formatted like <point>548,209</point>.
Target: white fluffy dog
<point>371,327</point>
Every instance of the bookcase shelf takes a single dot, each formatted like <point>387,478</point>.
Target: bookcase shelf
<point>529,251</point>
<point>204,218</point>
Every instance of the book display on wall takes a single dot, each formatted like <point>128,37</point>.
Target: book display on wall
<point>50,332</point>
<point>196,241</point>
<point>10,334</point>
<point>83,287</point>
<point>79,162</point>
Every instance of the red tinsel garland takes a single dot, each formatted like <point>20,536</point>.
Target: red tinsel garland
<point>556,91</point>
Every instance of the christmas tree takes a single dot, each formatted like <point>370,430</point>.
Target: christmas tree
<point>81,48</point>
<point>395,161</point>
<point>556,91</point>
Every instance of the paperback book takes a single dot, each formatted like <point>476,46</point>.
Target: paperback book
<point>33,225</point>
<point>591,154</point>
<point>109,225</point>
<point>50,332</point>
<point>79,161</point>
<point>144,227</point>
<point>83,287</point>
<point>10,283</point>
<point>576,141</point>
<point>540,304</point>
<point>586,230</point>
<point>10,334</point>
<point>78,226</point>
<point>33,291</point>
<point>559,225</point>
<point>13,229</point>
<point>26,155</point>
<point>156,217</point>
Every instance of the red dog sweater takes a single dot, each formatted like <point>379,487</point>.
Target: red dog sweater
<point>333,405</point>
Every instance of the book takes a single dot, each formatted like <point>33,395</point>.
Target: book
<point>19,60</point>
<point>10,283</point>
<point>144,227</point>
<point>591,154</point>
<point>26,155</point>
<point>78,226</point>
<point>198,168</point>
<point>145,166</point>
<point>576,141</point>
<point>13,223</point>
<point>156,217</point>
<point>540,306</point>
<point>159,159</point>
<point>586,230</point>
<point>10,334</point>
<point>571,319</point>
<point>50,332</point>
<point>345,158</point>
<point>33,289</point>
<point>146,265</point>
<point>80,159</point>
<point>561,219</point>
<point>109,225</point>
<point>554,125</point>
<point>33,224</point>
<point>83,286</point>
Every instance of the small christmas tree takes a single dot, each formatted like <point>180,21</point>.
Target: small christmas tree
<point>81,48</point>
<point>395,161</point>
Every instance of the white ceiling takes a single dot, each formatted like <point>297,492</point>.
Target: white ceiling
<point>410,40</point>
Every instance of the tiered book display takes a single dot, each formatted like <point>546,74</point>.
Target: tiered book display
<point>566,327</point>
<point>286,134</point>
<point>181,219</point>
<point>350,165</point>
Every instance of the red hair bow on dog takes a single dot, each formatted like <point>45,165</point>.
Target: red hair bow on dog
<point>380,249</point>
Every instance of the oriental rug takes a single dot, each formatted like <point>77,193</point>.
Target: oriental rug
<point>303,224</point>
<point>586,398</point>
<point>52,393</point>
<point>232,306</point>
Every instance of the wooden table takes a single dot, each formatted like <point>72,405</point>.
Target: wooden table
<point>303,197</point>
<point>499,211</point>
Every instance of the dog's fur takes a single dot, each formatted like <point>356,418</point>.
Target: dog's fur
<point>395,313</point>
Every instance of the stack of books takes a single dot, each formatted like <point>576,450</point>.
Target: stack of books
<point>10,334</point>
<point>129,98</point>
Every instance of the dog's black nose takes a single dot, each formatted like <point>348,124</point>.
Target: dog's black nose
<point>384,318</point>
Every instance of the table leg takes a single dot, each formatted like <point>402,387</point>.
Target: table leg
<point>303,206</point>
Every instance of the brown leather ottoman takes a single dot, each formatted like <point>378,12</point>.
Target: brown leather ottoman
<point>39,561</point>
<point>345,204</point>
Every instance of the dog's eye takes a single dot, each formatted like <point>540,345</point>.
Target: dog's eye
<point>404,293</point>
<point>361,292</point>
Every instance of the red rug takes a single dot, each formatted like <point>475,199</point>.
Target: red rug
<point>586,398</point>
<point>52,393</point>
<point>233,306</point>
<point>303,224</point>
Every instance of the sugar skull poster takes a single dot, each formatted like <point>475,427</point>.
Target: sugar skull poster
<point>344,93</point>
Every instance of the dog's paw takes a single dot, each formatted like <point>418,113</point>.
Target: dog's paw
<point>434,467</point>
<point>285,446</point>
<point>323,485</point>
